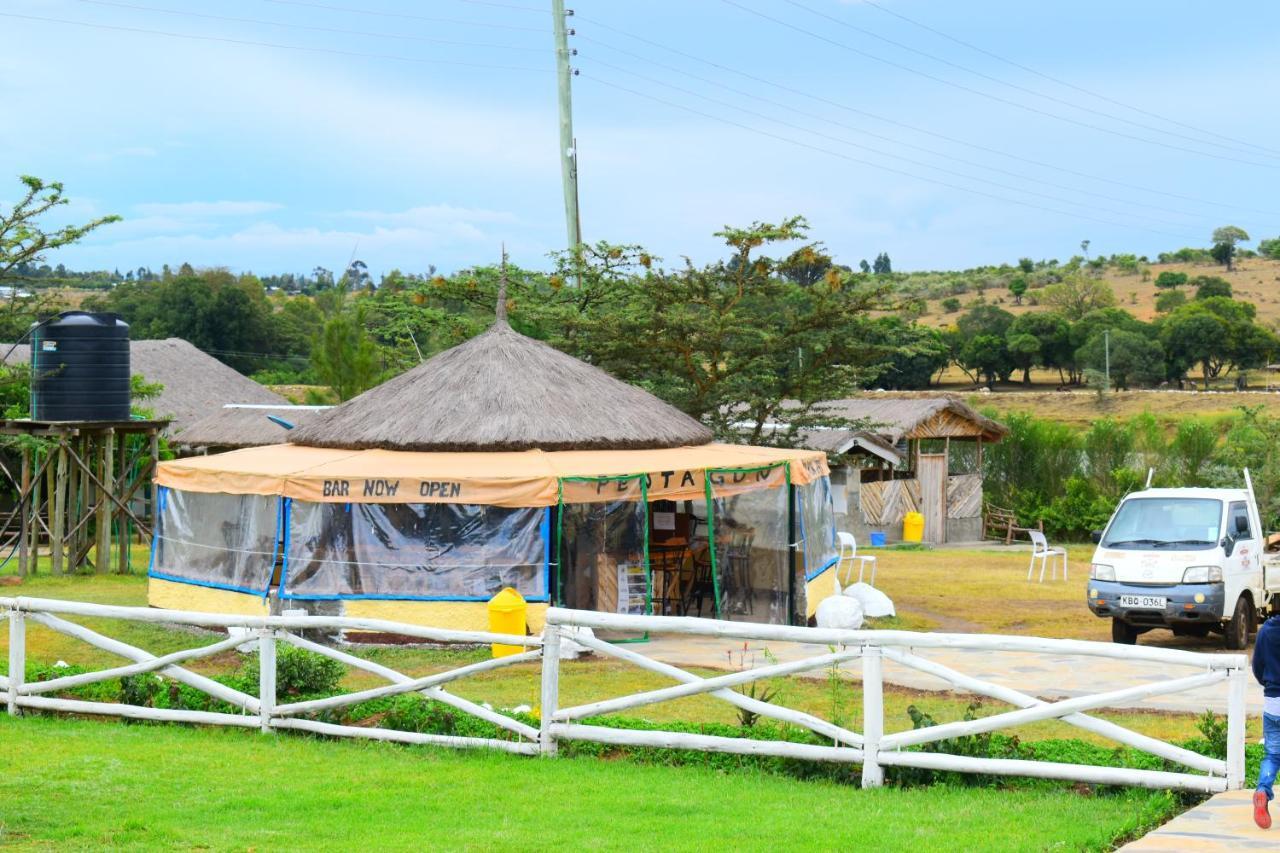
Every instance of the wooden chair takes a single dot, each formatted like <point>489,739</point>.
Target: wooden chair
<point>1040,550</point>
<point>998,519</point>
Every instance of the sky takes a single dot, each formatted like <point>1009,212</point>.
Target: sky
<point>279,135</point>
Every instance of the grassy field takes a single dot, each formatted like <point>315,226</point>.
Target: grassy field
<point>76,785</point>
<point>951,590</point>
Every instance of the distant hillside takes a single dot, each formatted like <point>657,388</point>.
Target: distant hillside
<point>1255,280</point>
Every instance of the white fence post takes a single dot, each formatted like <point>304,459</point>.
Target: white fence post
<point>17,656</point>
<point>550,688</point>
<point>1237,683</point>
<point>872,717</point>
<point>266,678</point>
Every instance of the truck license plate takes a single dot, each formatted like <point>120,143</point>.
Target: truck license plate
<point>1148,602</point>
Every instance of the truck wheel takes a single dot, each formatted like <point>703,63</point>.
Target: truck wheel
<point>1123,632</point>
<point>1237,634</point>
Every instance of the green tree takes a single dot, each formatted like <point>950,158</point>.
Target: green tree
<point>1192,448</point>
<point>1169,300</point>
<point>1224,244</point>
<point>1171,279</point>
<point>1211,285</point>
<point>1218,334</point>
<point>1018,288</point>
<point>344,357</point>
<point>913,354</point>
<point>984,320</point>
<point>24,243</point>
<point>1024,353</point>
<point>882,264</point>
<point>1270,248</point>
<point>1135,359</point>
<point>1054,335</point>
<point>985,356</point>
<point>1077,295</point>
<point>735,343</point>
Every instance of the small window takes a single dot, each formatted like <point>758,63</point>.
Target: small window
<point>1238,521</point>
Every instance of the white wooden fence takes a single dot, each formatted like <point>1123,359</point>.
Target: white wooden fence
<point>260,711</point>
<point>872,748</point>
<point>875,749</point>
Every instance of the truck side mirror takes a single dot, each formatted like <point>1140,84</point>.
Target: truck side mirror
<point>1242,525</point>
<point>1096,536</point>
<point>1228,544</point>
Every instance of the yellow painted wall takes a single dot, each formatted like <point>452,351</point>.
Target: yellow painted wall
<point>458,615</point>
<point>202,599</point>
<point>822,586</point>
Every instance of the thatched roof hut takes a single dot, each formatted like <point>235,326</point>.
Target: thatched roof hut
<point>892,420</point>
<point>195,383</point>
<point>238,425</point>
<point>503,391</point>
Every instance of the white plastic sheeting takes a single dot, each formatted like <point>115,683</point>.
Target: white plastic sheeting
<point>875,603</point>
<point>838,611</point>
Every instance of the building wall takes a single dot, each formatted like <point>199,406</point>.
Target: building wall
<point>822,586</point>
<point>457,615</point>
<point>893,499</point>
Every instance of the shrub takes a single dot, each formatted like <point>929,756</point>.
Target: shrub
<point>951,305</point>
<point>298,673</point>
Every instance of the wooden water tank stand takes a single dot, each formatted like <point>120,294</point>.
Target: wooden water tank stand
<point>76,483</point>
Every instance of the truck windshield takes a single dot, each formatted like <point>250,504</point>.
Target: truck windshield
<point>1186,524</point>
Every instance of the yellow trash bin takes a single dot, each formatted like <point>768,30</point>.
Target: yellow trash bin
<point>913,527</point>
<point>508,614</point>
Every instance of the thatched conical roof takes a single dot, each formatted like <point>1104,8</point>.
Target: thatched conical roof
<point>503,391</point>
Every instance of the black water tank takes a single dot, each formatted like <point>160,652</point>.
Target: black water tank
<point>80,368</point>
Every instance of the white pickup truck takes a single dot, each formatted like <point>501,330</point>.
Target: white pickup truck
<point>1190,560</point>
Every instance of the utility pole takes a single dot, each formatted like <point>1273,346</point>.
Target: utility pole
<point>1106,348</point>
<point>568,145</point>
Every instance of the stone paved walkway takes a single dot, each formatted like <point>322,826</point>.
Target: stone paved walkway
<point>1223,822</point>
<point>1045,676</point>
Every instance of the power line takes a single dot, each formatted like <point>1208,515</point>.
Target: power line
<point>842,141</point>
<point>403,15</point>
<point>989,96</point>
<point>340,31</point>
<point>1059,80</point>
<point>223,40</point>
<point>913,128</point>
<point>865,132</point>
<point>874,165</point>
<point>842,23</point>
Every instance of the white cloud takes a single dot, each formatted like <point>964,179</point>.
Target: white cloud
<point>207,208</point>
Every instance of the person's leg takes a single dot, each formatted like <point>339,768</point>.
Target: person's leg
<point>1267,773</point>
<point>1271,758</point>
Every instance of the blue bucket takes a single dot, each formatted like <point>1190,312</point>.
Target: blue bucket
<point>877,540</point>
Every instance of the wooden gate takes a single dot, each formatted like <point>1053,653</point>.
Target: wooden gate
<point>931,469</point>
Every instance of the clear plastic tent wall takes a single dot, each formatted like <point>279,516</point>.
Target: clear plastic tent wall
<point>816,517</point>
<point>430,552</point>
<point>592,549</point>
<point>602,548</point>
<point>216,540</point>
<point>751,559</point>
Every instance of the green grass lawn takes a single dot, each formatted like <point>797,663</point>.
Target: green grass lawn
<point>79,784</point>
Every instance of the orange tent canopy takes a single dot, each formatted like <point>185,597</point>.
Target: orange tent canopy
<point>510,479</point>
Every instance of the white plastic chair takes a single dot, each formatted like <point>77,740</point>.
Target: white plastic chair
<point>1041,551</point>
<point>849,551</point>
